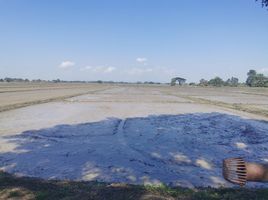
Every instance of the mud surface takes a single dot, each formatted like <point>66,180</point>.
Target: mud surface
<point>185,150</point>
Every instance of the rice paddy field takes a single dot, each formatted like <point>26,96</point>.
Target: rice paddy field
<point>135,141</point>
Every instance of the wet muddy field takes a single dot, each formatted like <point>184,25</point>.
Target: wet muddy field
<point>134,134</point>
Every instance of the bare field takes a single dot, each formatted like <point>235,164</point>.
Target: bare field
<point>140,134</point>
<point>15,95</point>
<point>48,104</point>
<point>250,100</point>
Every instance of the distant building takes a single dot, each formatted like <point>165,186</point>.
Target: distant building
<point>180,80</point>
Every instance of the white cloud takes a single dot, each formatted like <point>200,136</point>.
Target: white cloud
<point>66,64</point>
<point>99,69</point>
<point>86,68</point>
<point>109,69</point>
<point>141,60</point>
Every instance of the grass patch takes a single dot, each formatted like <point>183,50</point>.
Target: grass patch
<point>14,194</point>
<point>12,187</point>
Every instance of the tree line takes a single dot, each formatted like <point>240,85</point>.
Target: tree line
<point>21,80</point>
<point>218,82</point>
<point>254,79</point>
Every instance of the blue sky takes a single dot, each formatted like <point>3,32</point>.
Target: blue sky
<point>132,40</point>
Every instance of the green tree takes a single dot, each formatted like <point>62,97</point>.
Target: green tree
<point>261,81</point>
<point>217,81</point>
<point>251,77</point>
<point>7,79</point>
<point>203,82</point>
<point>256,80</point>
<point>192,84</point>
<point>233,82</point>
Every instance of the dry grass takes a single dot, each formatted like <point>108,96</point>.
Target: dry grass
<point>235,106</point>
<point>240,94</point>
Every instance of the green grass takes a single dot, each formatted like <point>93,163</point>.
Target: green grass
<point>13,194</point>
<point>12,187</point>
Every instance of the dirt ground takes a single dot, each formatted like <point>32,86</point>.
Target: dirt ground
<point>45,105</point>
<point>139,134</point>
<point>16,95</point>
